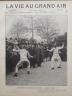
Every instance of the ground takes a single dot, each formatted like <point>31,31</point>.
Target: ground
<point>40,76</point>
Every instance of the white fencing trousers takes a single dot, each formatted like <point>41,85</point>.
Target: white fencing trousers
<point>55,60</point>
<point>20,63</point>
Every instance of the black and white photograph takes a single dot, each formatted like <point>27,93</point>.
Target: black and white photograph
<point>36,50</point>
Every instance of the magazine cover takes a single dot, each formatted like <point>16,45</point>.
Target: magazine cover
<point>35,48</point>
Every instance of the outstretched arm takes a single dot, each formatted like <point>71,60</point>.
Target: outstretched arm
<point>29,55</point>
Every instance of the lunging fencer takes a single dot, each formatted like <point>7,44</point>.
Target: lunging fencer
<point>56,59</point>
<point>24,54</point>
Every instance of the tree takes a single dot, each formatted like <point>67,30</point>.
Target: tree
<point>46,28</point>
<point>18,28</point>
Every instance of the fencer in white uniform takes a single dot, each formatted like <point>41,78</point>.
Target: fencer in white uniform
<point>56,59</point>
<point>24,54</point>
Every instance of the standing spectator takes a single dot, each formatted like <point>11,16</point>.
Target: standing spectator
<point>32,51</point>
<point>38,55</point>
